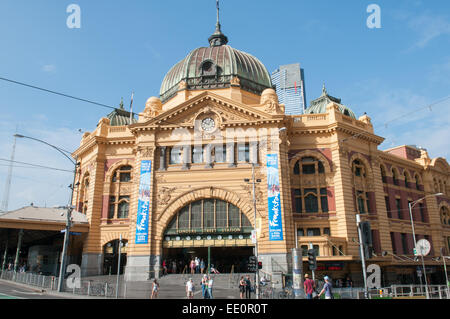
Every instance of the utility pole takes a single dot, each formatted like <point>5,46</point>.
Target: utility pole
<point>256,239</point>
<point>5,201</point>
<point>118,267</point>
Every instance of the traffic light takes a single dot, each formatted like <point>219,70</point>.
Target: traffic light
<point>259,264</point>
<point>366,239</point>
<point>312,259</point>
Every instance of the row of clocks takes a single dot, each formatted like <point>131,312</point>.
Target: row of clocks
<point>209,237</point>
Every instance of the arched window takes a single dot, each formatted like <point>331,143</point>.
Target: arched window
<point>361,186</point>
<point>395,176</point>
<point>405,174</point>
<point>310,196</point>
<point>445,216</point>
<point>84,194</point>
<point>383,173</point>
<point>417,182</point>
<point>120,191</point>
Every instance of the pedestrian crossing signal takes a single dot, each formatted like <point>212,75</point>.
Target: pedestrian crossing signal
<point>259,264</point>
<point>312,259</point>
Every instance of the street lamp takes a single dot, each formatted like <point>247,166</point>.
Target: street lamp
<point>411,205</point>
<point>69,208</point>
<point>254,181</point>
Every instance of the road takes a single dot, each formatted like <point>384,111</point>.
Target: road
<point>10,290</point>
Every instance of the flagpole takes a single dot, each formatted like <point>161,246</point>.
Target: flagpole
<point>131,108</point>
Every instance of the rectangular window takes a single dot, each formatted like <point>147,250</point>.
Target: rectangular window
<point>208,213</point>
<point>404,244</point>
<point>313,232</point>
<point>233,216</point>
<point>304,250</point>
<point>300,232</point>
<point>309,169</point>
<point>422,212</point>
<point>221,213</point>
<point>183,218</point>
<point>175,155</point>
<point>244,152</point>
<point>368,202</point>
<point>197,154</point>
<point>326,231</point>
<point>388,206</point>
<point>220,153</point>
<point>316,249</point>
<point>125,177</point>
<point>112,207</point>
<point>358,171</point>
<point>298,200</point>
<point>324,200</point>
<point>311,204</point>
<point>394,247</point>
<point>398,203</point>
<point>196,215</point>
<point>361,208</point>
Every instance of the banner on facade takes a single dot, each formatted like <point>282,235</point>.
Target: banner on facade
<point>143,203</point>
<point>273,195</point>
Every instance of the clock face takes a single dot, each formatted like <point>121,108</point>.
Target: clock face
<point>208,124</point>
<point>423,247</point>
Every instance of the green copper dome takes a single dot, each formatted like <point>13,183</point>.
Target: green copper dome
<point>120,117</point>
<point>319,106</point>
<point>215,67</point>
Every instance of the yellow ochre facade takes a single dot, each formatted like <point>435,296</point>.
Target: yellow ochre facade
<point>209,133</point>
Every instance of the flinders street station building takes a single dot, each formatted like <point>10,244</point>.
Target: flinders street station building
<point>214,157</point>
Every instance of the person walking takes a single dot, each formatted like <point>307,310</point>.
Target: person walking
<point>210,287</point>
<point>242,287</point>
<point>205,287</point>
<point>155,289</point>
<point>327,289</point>
<point>174,267</point>
<point>190,289</point>
<point>192,266</point>
<point>164,264</point>
<point>202,265</point>
<point>310,287</point>
<point>248,287</point>
<point>197,265</point>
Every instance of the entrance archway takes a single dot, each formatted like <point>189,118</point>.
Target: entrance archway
<point>111,257</point>
<point>208,228</point>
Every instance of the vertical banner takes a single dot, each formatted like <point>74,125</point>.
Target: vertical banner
<point>273,196</point>
<point>144,203</point>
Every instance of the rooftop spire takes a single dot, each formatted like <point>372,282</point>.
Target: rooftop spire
<point>218,38</point>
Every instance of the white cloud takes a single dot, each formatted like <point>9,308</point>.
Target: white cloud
<point>49,68</point>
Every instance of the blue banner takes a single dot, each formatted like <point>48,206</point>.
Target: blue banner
<point>144,203</point>
<point>273,196</point>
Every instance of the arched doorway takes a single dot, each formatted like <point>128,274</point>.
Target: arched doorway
<point>111,257</point>
<point>209,229</point>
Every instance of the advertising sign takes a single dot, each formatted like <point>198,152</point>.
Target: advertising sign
<point>273,195</point>
<point>143,204</point>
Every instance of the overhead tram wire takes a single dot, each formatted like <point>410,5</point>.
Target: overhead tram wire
<point>70,97</point>
<point>36,166</point>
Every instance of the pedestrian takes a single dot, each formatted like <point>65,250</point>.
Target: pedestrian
<point>174,267</point>
<point>205,287</point>
<point>202,265</point>
<point>192,265</point>
<point>164,267</point>
<point>310,287</point>
<point>197,265</point>
<point>214,270</point>
<point>190,289</point>
<point>155,289</point>
<point>327,288</point>
<point>349,283</point>
<point>210,287</point>
<point>248,287</point>
<point>242,287</point>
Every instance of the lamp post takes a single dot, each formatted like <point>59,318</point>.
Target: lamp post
<point>254,181</point>
<point>69,208</point>
<point>411,205</point>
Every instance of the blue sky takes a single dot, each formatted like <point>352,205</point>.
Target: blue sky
<point>125,46</point>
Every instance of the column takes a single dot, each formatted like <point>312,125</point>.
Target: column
<point>230,154</point>
<point>207,155</point>
<point>5,255</point>
<point>162,158</point>
<point>19,245</point>
<point>254,153</point>
<point>186,157</point>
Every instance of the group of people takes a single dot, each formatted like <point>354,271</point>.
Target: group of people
<point>197,266</point>
<point>310,287</point>
<point>206,284</point>
<point>245,287</point>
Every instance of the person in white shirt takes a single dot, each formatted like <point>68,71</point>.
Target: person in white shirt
<point>210,286</point>
<point>190,289</point>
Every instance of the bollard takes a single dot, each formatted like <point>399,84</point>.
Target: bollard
<point>89,288</point>
<point>106,290</point>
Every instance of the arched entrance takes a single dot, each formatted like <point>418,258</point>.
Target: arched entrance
<point>111,257</point>
<point>209,229</point>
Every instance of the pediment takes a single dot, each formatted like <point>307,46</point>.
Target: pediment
<point>227,111</point>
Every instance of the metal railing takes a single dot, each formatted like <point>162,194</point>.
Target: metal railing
<point>87,287</point>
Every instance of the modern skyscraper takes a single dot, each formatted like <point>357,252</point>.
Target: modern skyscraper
<point>290,86</point>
